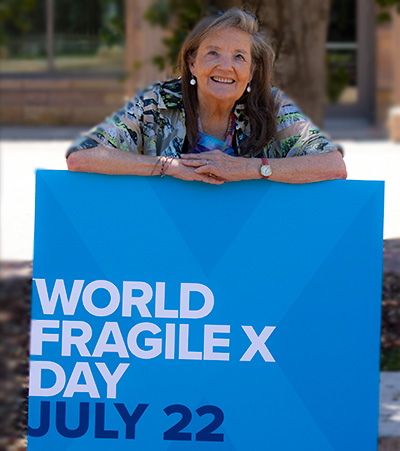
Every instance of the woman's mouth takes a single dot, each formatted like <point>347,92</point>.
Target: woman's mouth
<point>223,80</point>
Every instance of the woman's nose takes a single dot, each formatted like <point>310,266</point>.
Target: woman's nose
<point>225,62</point>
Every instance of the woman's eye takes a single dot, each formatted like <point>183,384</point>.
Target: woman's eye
<point>240,56</point>
<point>212,52</point>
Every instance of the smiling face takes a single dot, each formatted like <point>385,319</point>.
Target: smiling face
<point>223,66</point>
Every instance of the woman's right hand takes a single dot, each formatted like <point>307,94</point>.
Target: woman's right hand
<point>105,160</point>
<point>178,170</point>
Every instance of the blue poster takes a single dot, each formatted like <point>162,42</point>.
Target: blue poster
<point>171,315</point>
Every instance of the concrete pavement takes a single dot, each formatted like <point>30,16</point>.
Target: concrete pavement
<point>25,149</point>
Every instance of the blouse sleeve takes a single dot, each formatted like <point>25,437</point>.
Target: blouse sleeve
<point>295,134</point>
<point>122,130</point>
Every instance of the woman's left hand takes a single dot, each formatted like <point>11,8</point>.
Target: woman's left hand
<point>222,166</point>
<point>316,167</point>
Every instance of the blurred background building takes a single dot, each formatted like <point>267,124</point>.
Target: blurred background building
<point>72,63</point>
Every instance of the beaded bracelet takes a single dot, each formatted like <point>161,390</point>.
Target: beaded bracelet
<point>165,164</point>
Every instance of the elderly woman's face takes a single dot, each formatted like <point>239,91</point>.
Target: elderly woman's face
<point>223,65</point>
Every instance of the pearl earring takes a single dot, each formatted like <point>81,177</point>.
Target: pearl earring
<point>248,89</point>
<point>193,81</point>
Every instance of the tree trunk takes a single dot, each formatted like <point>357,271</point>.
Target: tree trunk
<point>297,30</point>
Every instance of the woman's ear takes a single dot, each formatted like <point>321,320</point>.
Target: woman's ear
<point>191,62</point>
<point>251,73</point>
<point>191,65</point>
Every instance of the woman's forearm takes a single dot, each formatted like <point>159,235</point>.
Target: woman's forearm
<point>308,168</point>
<point>104,160</point>
<point>304,169</point>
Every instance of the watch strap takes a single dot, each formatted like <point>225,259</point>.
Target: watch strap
<point>265,163</point>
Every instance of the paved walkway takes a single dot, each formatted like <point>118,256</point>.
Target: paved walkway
<point>25,149</point>
<point>389,404</point>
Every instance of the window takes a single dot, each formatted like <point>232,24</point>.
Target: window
<point>39,36</point>
<point>23,36</point>
<point>342,51</point>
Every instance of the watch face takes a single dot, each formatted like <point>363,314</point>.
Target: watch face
<point>266,170</point>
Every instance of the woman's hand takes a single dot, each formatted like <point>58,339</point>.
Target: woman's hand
<point>213,167</point>
<point>219,165</point>
<point>104,160</point>
<point>179,169</point>
<point>316,167</point>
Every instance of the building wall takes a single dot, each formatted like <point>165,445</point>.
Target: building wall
<point>64,100</point>
<point>142,43</point>
<point>396,59</point>
<point>388,75</point>
<point>58,101</point>
<point>384,71</point>
<point>73,100</point>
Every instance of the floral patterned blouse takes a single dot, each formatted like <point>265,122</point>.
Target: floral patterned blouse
<point>153,123</point>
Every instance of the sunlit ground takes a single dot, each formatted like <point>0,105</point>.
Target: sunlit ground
<point>365,160</point>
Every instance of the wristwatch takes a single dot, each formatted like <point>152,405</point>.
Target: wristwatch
<point>265,169</point>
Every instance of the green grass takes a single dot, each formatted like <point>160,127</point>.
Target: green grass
<point>390,359</point>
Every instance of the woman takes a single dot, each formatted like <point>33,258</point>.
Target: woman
<point>221,121</point>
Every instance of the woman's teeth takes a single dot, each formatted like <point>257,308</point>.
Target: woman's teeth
<point>222,80</point>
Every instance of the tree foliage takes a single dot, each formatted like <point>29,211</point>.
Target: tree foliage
<point>16,16</point>
<point>299,45</point>
<point>384,15</point>
<point>177,16</point>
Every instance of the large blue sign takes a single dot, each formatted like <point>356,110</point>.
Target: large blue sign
<point>172,315</point>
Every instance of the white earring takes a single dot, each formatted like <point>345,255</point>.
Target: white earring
<point>248,89</point>
<point>193,81</point>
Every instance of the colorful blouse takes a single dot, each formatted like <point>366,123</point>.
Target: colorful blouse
<point>153,123</point>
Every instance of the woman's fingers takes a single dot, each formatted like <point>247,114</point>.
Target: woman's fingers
<point>202,159</point>
<point>213,167</point>
<point>212,180</point>
<point>208,178</point>
<point>206,163</point>
<point>207,170</point>
<point>224,168</point>
<point>185,172</point>
<point>195,163</point>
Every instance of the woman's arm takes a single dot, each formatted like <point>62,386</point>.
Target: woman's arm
<point>106,160</point>
<point>315,167</point>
